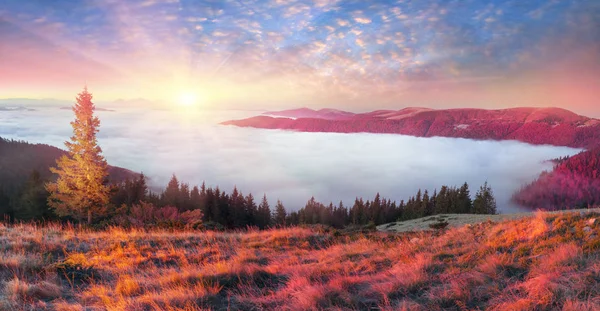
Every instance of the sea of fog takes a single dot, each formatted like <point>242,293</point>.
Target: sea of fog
<point>286,165</point>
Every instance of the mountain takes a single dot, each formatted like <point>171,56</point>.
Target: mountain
<point>35,103</point>
<point>327,114</point>
<point>573,183</point>
<point>17,108</point>
<point>18,159</point>
<point>554,126</point>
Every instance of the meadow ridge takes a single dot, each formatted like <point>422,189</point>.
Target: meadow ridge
<point>544,262</point>
<point>459,220</point>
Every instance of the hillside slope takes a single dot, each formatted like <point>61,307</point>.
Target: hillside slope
<point>18,159</point>
<point>554,126</point>
<point>549,262</point>
<point>573,183</point>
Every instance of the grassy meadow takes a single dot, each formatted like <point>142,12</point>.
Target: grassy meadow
<point>544,262</point>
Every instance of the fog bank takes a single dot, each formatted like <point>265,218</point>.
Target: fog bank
<point>291,166</point>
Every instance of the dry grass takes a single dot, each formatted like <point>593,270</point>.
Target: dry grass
<point>548,262</point>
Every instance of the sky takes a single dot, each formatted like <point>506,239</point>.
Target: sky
<point>352,55</point>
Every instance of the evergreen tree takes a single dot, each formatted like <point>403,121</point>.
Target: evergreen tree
<point>442,201</point>
<point>171,195</point>
<point>340,216</point>
<point>280,214</point>
<point>184,197</point>
<point>130,192</point>
<point>357,212</point>
<point>195,199</point>
<point>251,209</point>
<point>377,210</point>
<point>32,203</point>
<point>430,208</point>
<point>5,207</point>
<point>140,190</point>
<point>465,205</point>
<point>238,211</point>
<point>424,204</point>
<point>80,190</point>
<point>264,213</point>
<point>293,219</point>
<point>224,209</point>
<point>484,202</point>
<point>214,205</point>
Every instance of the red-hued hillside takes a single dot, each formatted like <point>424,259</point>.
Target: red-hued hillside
<point>574,183</point>
<point>553,126</point>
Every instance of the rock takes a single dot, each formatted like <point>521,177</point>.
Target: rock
<point>587,229</point>
<point>592,221</point>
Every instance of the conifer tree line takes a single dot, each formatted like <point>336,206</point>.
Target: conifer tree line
<point>221,209</point>
<point>236,210</point>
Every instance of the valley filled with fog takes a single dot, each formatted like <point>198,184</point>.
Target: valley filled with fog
<point>290,166</point>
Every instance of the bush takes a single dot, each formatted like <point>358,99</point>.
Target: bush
<point>147,215</point>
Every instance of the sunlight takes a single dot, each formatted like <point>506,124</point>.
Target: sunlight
<point>188,99</point>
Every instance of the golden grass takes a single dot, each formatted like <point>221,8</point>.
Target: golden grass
<point>549,261</point>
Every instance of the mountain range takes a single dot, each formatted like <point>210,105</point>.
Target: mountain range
<point>553,126</point>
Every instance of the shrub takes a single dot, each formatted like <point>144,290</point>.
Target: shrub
<point>147,215</point>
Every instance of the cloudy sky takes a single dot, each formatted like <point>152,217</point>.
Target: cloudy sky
<point>356,55</point>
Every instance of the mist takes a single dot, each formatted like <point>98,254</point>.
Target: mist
<point>290,166</point>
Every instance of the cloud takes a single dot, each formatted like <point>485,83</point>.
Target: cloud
<point>362,20</point>
<point>287,165</point>
<point>151,42</point>
<point>342,22</point>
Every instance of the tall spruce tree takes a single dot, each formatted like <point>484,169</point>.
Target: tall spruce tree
<point>484,202</point>
<point>465,205</point>
<point>264,213</point>
<point>280,214</point>
<point>172,195</point>
<point>81,189</point>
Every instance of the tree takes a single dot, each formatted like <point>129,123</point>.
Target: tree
<point>465,205</point>
<point>130,192</point>
<point>32,203</point>
<point>280,214</point>
<point>184,197</point>
<point>425,204</point>
<point>357,212</point>
<point>172,196</point>
<point>264,213</point>
<point>251,209</point>
<point>5,208</point>
<point>484,202</point>
<point>442,201</point>
<point>81,189</point>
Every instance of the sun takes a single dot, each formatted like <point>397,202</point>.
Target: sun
<point>188,99</point>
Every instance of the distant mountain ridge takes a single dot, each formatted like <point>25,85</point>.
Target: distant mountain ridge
<point>326,113</point>
<point>553,126</point>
